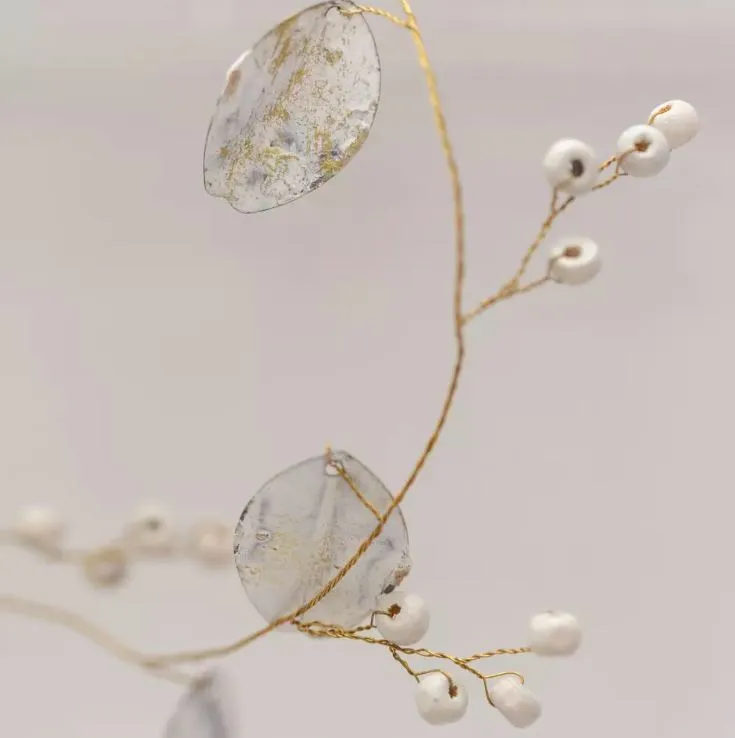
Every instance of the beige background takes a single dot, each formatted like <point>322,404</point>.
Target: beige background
<point>157,345</point>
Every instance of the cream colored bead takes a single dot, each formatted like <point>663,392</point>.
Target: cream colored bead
<point>407,619</point>
<point>643,151</point>
<point>40,526</point>
<point>106,567</point>
<point>211,543</point>
<point>677,120</point>
<point>555,634</point>
<point>440,701</point>
<point>151,532</point>
<point>515,702</point>
<point>571,167</point>
<point>575,261</point>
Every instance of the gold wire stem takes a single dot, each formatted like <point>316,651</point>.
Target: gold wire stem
<point>360,9</point>
<point>607,182</point>
<point>617,160</point>
<point>322,630</point>
<point>351,483</point>
<point>459,228</point>
<point>318,625</point>
<point>504,295</point>
<point>555,210</point>
<point>497,652</point>
<point>513,286</point>
<point>49,552</point>
<point>663,109</point>
<point>80,626</point>
<point>403,663</point>
<point>156,663</point>
<point>340,469</point>
<point>608,162</point>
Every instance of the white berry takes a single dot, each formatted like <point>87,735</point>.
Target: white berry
<point>106,567</point>
<point>151,532</point>
<point>211,543</point>
<point>571,166</point>
<point>407,618</point>
<point>40,526</point>
<point>575,261</point>
<point>555,634</point>
<point>440,701</point>
<point>643,151</point>
<point>677,120</point>
<point>515,702</point>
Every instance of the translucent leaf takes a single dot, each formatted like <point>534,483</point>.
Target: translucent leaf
<point>295,109</point>
<point>303,525</point>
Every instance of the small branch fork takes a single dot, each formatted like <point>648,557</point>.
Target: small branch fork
<point>514,286</point>
<point>317,629</point>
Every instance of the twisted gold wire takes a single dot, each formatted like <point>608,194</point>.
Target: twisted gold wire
<point>663,109</point>
<point>360,9</point>
<point>459,227</point>
<point>76,623</point>
<point>352,485</point>
<point>321,630</point>
<point>510,289</point>
<point>513,287</point>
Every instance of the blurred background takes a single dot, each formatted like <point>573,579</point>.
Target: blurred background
<point>157,346</point>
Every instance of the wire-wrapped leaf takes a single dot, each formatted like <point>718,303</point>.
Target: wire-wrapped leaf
<point>295,109</point>
<point>304,525</point>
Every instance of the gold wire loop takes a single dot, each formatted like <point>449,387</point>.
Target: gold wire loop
<point>488,677</point>
<point>663,109</point>
<point>368,9</point>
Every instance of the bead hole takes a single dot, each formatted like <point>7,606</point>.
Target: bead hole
<point>572,252</point>
<point>453,690</point>
<point>394,610</point>
<point>642,145</point>
<point>577,167</point>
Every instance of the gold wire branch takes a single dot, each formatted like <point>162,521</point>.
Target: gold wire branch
<point>339,467</point>
<point>513,287</point>
<point>663,109</point>
<point>79,625</point>
<point>369,10</point>
<point>57,554</point>
<point>157,663</point>
<point>322,630</point>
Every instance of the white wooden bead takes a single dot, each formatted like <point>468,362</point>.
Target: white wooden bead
<point>575,261</point>
<point>151,532</point>
<point>106,567</point>
<point>679,122</point>
<point>440,701</point>
<point>555,634</point>
<point>643,151</point>
<point>571,166</point>
<point>515,702</point>
<point>211,543</point>
<point>40,526</point>
<point>408,619</point>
